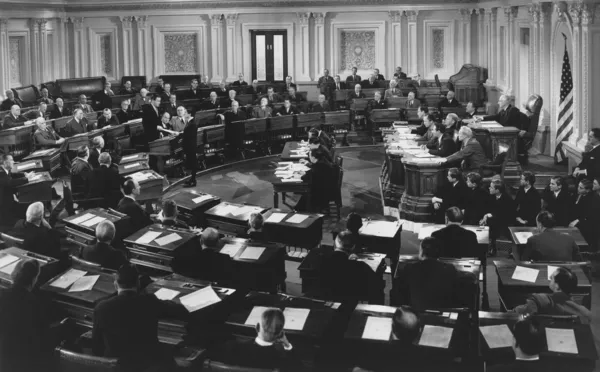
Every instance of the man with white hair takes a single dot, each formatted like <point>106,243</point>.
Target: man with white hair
<point>233,134</point>
<point>59,110</point>
<point>322,106</point>
<point>222,91</point>
<point>371,83</point>
<point>102,252</point>
<point>9,181</point>
<point>10,101</point>
<point>411,101</point>
<point>95,151</point>
<point>240,82</point>
<point>448,101</point>
<point>140,100</point>
<point>14,118</point>
<point>45,97</point>
<point>393,91</point>
<point>212,103</point>
<point>205,83</point>
<point>105,182</point>
<point>179,121</point>
<point>471,154</point>
<point>107,119</point>
<point>44,136</point>
<point>126,89</point>
<point>226,102</point>
<point>254,88</point>
<point>508,115</point>
<point>38,235</point>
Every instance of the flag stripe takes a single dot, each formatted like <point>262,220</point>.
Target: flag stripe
<point>564,123</point>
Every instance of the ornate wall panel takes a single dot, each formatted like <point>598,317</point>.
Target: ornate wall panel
<point>358,50</point>
<point>438,47</point>
<point>180,53</point>
<point>106,65</point>
<point>439,51</point>
<point>15,60</point>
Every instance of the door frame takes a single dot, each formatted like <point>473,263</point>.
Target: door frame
<point>281,32</point>
<point>247,44</point>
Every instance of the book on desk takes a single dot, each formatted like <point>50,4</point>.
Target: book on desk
<point>151,184</point>
<point>192,205</point>
<point>81,228</point>
<point>31,165</point>
<point>133,167</point>
<point>50,158</point>
<point>138,157</point>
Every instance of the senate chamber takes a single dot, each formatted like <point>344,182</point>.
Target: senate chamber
<point>287,185</point>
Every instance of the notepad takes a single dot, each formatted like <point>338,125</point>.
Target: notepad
<point>243,210</point>
<point>8,269</point>
<point>525,274</point>
<point>94,221</point>
<point>561,341</point>
<point>173,237</point>
<point>497,336</point>
<point>230,249</point>
<point>202,198</point>
<point>68,278</point>
<point>297,218</point>
<point>377,328</point>
<point>551,270</point>
<point>276,217</point>
<point>252,253</point>
<point>85,283</point>
<point>295,318</point>
<point>140,176</point>
<point>200,299</point>
<point>255,316</point>
<point>166,294</point>
<point>7,259</point>
<point>82,218</point>
<point>384,229</point>
<point>436,336</point>
<point>522,236</point>
<point>148,237</point>
<point>132,165</point>
<point>225,209</point>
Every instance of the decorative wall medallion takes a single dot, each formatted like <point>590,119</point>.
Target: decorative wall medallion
<point>180,53</point>
<point>358,50</point>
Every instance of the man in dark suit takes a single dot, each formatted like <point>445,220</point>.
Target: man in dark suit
<point>321,106</point>
<point>126,325</point>
<point>272,96</point>
<point>508,115</point>
<point>288,84</point>
<point>399,74</point>
<point>353,79</point>
<point>151,119</point>
<point>222,90</point>
<point>102,252</point>
<point>205,83</point>
<point>13,118</point>
<point>584,213</point>
<point>168,215</point>
<point>189,145</point>
<point>140,99</point>
<point>129,206</point>
<point>166,94</point>
<point>78,124</point>
<point>477,199</point>
<point>41,112</point>
<point>378,76</point>
<point>234,135</point>
<point>428,283</point>
<point>59,110</point>
<point>170,105</point>
<point>321,178</point>
<point>393,91</point>
<point>254,89</point>
<point>548,245</point>
<point>377,103</point>
<point>326,84</point>
<point>528,200</point>
<point>105,182</point>
<point>287,108</point>
<point>10,210</point>
<point>411,101</point>
<point>470,110</point>
<point>449,101</point>
<point>45,137</point>
<point>371,83</point>
<point>45,97</point>
<point>445,145</point>
<point>338,84</point>
<point>10,101</point>
<point>501,213</point>
<point>212,103</point>
<point>101,99</point>
<point>240,81</point>
<point>107,119</point>
<point>38,235</point>
<point>558,201</point>
<point>456,241</point>
<point>355,94</point>
<point>471,154</point>
<point>589,167</point>
<point>194,91</point>
<point>81,171</point>
<point>160,86</point>
<point>451,194</point>
<point>127,90</point>
<point>226,102</point>
<point>95,151</point>
<point>293,97</point>
<point>83,105</point>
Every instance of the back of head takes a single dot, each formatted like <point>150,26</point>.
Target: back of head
<point>271,324</point>
<point>105,159</point>
<point>128,186</point>
<point>529,337</point>
<point>565,279</point>
<point>454,214</point>
<point>105,231</point>
<point>82,151</point>
<point>256,221</point>
<point>405,324</point>
<point>354,222</point>
<point>127,277</point>
<point>209,238</point>
<point>546,219</point>
<point>169,209</point>
<point>34,213</point>
<point>430,248</point>
<point>466,131</point>
<point>344,241</point>
<point>26,273</point>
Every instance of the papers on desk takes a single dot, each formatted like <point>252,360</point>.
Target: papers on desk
<point>166,294</point>
<point>375,308</point>
<point>436,336</point>
<point>23,167</point>
<point>561,341</point>
<point>231,249</point>
<point>525,274</point>
<point>424,155</point>
<point>298,167</point>
<point>148,237</point>
<point>35,177</point>
<point>7,259</point>
<point>276,217</point>
<point>173,237</point>
<point>252,253</point>
<point>82,218</point>
<point>297,218</point>
<point>284,163</point>
<point>42,152</point>
<point>85,283</point>
<point>255,316</point>
<point>295,318</point>
<point>497,336</point>
<point>226,209</point>
<point>202,198</point>
<point>551,270</point>
<point>200,299</point>
<point>243,210</point>
<point>303,155</point>
<point>132,165</point>
<point>377,328</point>
<point>371,262</point>
<point>8,269</point>
<point>383,229</point>
<point>522,236</point>
<point>140,176</point>
<point>68,278</point>
<point>128,157</point>
<point>490,124</point>
<point>94,221</point>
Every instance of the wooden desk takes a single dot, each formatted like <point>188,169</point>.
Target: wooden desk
<point>306,234</point>
<point>283,187</point>
<point>423,178</point>
<point>482,232</point>
<point>29,166</point>
<point>336,121</point>
<point>382,237</point>
<point>288,152</point>
<point>231,218</point>
<point>17,140</point>
<point>50,158</point>
<point>81,228</point>
<point>192,204</point>
<point>151,184</point>
<point>49,266</point>
<point>133,167</point>
<point>156,254</point>
<point>139,157</point>
<point>571,231</point>
<point>134,128</point>
<point>166,146</point>
<point>81,139</point>
<point>515,292</point>
<point>39,188</point>
<point>282,126</point>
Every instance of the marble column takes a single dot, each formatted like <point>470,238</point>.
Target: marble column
<point>395,42</point>
<point>216,47</point>
<point>79,46</point>
<point>492,15</point>
<point>464,36</point>
<point>233,60</point>
<point>4,57</point>
<point>587,18</point>
<point>43,66</point>
<point>35,76</point>
<point>63,51</point>
<point>142,47</point>
<point>510,14</point>
<point>575,13</point>
<point>127,42</point>
<point>481,38</point>
<point>319,19</point>
<point>534,47</point>
<point>544,64</point>
<point>304,35</point>
<point>413,45</point>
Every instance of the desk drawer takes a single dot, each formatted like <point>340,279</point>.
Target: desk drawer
<point>150,259</point>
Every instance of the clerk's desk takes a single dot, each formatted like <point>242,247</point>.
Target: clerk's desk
<point>586,356</point>
<point>571,231</point>
<point>137,157</point>
<point>49,266</point>
<point>126,169</point>
<point>231,218</point>
<point>283,187</point>
<point>515,292</point>
<point>289,154</point>
<point>192,204</point>
<point>80,232</point>
<point>50,158</point>
<point>306,234</point>
<point>151,184</point>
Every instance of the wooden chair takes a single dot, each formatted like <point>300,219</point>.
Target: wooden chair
<point>71,361</point>
<point>11,241</point>
<point>212,366</point>
<point>530,123</point>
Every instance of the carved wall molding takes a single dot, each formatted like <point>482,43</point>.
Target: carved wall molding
<point>216,19</point>
<point>561,10</point>
<point>395,15</point>
<point>511,12</point>
<point>231,18</point>
<point>587,14</point>
<point>142,21</point>
<point>319,17</point>
<point>77,22</point>
<point>575,13</point>
<point>303,17</point>
<point>412,15</point>
<point>465,14</point>
<point>126,21</point>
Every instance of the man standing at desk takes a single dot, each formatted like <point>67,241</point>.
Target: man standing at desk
<point>189,145</point>
<point>234,135</point>
<point>326,84</point>
<point>10,210</point>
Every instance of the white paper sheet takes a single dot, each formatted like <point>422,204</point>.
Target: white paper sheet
<point>377,328</point>
<point>173,237</point>
<point>284,163</point>
<point>243,210</point>
<point>561,340</point>
<point>23,167</point>
<point>166,294</point>
<point>551,270</point>
<point>292,180</point>
<point>148,237</point>
<point>226,209</point>
<point>82,218</point>
<point>128,157</point>
<point>7,259</point>
<point>68,278</point>
<point>276,217</point>
<point>231,249</point>
<point>92,222</point>
<point>497,336</point>
<point>295,318</point>
<point>202,198</point>
<point>85,283</point>
<point>436,336</point>
<point>522,236</point>
<point>525,274</point>
<point>8,269</point>
<point>35,177</point>
<point>427,230</point>
<point>140,176</point>
<point>297,218</point>
<point>384,229</point>
<point>252,253</point>
<point>255,315</point>
<point>375,308</point>
<point>200,299</point>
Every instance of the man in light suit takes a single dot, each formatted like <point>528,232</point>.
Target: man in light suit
<point>179,121</point>
<point>471,154</point>
<point>411,101</point>
<point>354,78</point>
<point>326,84</point>
<point>549,245</point>
<point>393,91</point>
<point>140,100</point>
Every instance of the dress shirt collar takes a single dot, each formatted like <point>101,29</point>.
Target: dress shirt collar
<point>130,197</point>
<point>595,146</point>
<point>528,358</point>
<point>498,196</point>
<point>6,170</point>
<point>526,189</point>
<point>259,341</point>
<point>556,193</point>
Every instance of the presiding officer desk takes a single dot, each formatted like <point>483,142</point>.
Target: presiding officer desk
<point>286,178</point>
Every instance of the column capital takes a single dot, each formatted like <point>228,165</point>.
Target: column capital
<point>303,17</point>
<point>561,10</point>
<point>142,21</point>
<point>511,12</point>
<point>545,12</point>
<point>465,14</point>
<point>126,21</point>
<point>412,15</point>
<point>534,12</point>
<point>587,14</point>
<point>77,22</point>
<point>3,24</point>
<point>231,19</point>
<point>216,19</point>
<point>395,15</point>
<point>42,22</point>
<point>319,17</point>
<point>575,13</point>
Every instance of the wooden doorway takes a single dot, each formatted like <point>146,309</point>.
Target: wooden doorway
<point>269,55</point>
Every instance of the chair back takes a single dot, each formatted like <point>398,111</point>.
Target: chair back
<point>533,108</point>
<point>437,81</point>
<point>11,241</point>
<point>70,361</point>
<point>212,366</point>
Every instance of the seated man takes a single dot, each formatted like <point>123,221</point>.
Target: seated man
<point>562,283</point>
<point>126,89</point>
<point>322,182</point>
<point>102,252</point>
<point>476,200</point>
<point>222,90</point>
<point>141,99</point>
<point>234,134</point>
<point>105,182</point>
<point>59,110</point>
<point>549,245</point>
<point>263,110</point>
<point>39,236</point>
<point>44,136</point>
<point>371,83</point>
<point>315,143</point>
<point>180,119</point>
<point>125,113</point>
<point>288,84</point>
<point>205,83</point>
<point>212,103</point>
<point>528,343</point>
<point>508,115</point>
<point>10,210</point>
<point>428,123</point>
<point>272,96</point>
<point>101,99</point>
<point>269,350</point>
<point>168,215</point>
<point>445,144</point>
<point>558,201</point>
<point>126,325</point>
<point>45,97</point>
<point>399,74</point>
<point>81,171</point>
<point>448,101</point>
<point>14,118</point>
<point>584,213</point>
<point>40,112</point>
<point>128,205</point>
<point>192,93</point>
<point>160,86</point>
<point>528,200</point>
<point>166,94</point>
<point>422,129</point>
<point>376,103</point>
<point>324,139</point>
<point>226,102</point>
<point>428,283</point>
<point>107,119</point>
<point>255,222</point>
<point>287,108</point>
<point>457,242</point>
<point>412,102</point>
<point>353,225</point>
<point>353,78</point>
<point>321,106</point>
<point>77,125</point>
<point>240,81</point>
<point>355,94</point>
<point>170,105</point>
<point>471,154</point>
<point>451,194</point>
<point>393,91</point>
<point>293,97</point>
<point>470,110</point>
<point>501,213</point>
<point>10,101</point>
<point>83,105</point>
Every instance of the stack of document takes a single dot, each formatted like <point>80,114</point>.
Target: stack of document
<point>141,176</point>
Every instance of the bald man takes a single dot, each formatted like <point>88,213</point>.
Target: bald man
<point>39,236</point>
<point>102,252</point>
<point>322,105</point>
<point>83,105</point>
<point>14,118</point>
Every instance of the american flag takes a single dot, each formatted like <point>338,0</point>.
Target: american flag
<point>565,108</point>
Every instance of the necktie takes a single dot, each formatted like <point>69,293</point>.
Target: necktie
<point>411,103</point>
<point>578,199</point>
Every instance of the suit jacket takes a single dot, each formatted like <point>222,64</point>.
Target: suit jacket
<point>205,264</point>
<point>226,102</point>
<point>234,134</point>
<point>102,122</point>
<point>445,147</point>
<point>457,242</point>
<point>551,245</point>
<point>322,183</point>
<point>139,218</point>
<point>38,239</point>
<point>81,172</point>
<point>352,80</point>
<point>259,112</point>
<point>7,104</point>
<point>94,159</point>
<point>421,130</point>
<point>342,85</point>
<point>175,223</point>
<point>190,138</point>
<point>296,98</point>
<point>73,127</point>
<point>374,105</point>
<point>105,182</point>
<point>177,123</point>
<point>8,185</point>
<point>150,120</point>
<point>34,114</point>
<point>291,111</point>
<point>124,92</point>
<point>275,98</point>
<point>321,107</point>
<point>139,102</point>
<point>402,75</point>
<point>477,202</point>
<point>428,284</point>
<point>529,204</point>
<point>47,100</point>
<point>471,154</point>
<point>560,206</point>
<point>101,100</point>
<point>453,195</point>
<point>57,113</point>
<point>86,108</point>
<point>170,108</point>
<point>352,96</point>
<point>248,353</point>
<point>193,94</point>
<point>208,105</point>
<point>380,77</point>
<point>415,103</point>
<point>45,138</point>
<point>556,303</point>
<point>222,93</point>
<point>104,255</point>
<point>11,122</point>
<point>586,211</point>
<point>393,93</point>
<point>286,87</point>
<point>367,84</point>
<point>503,211</point>
<point>238,83</point>
<point>326,84</point>
<point>164,97</point>
<point>508,117</point>
<point>445,103</point>
<point>590,161</point>
<point>124,116</point>
<point>126,327</point>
